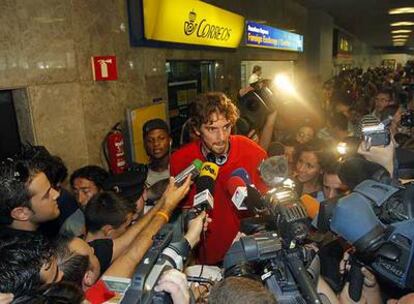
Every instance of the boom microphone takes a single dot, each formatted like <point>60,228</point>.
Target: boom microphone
<point>203,200</point>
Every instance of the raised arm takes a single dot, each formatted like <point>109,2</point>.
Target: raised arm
<point>125,264</point>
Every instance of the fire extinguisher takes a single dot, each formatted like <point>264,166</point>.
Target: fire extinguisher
<point>114,150</point>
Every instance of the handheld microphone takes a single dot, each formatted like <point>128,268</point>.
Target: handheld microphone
<point>238,191</point>
<point>242,173</point>
<point>203,200</point>
<point>311,205</point>
<point>193,169</point>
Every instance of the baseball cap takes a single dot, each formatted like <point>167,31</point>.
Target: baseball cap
<point>153,124</point>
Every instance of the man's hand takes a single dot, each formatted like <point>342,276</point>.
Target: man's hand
<point>407,299</point>
<point>195,226</point>
<point>173,195</point>
<point>6,298</point>
<point>380,155</point>
<point>175,283</point>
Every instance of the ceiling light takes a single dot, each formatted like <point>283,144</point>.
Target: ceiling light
<point>400,36</point>
<point>402,23</point>
<point>401,10</point>
<point>399,40</point>
<point>401,31</point>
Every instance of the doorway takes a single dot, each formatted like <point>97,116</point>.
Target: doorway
<point>9,132</point>
<point>186,79</point>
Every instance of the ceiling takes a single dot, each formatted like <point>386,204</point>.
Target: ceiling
<point>368,20</point>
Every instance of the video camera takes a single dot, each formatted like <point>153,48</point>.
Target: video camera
<point>169,250</point>
<point>256,105</point>
<point>263,257</point>
<point>376,134</point>
<point>377,219</point>
<point>276,257</point>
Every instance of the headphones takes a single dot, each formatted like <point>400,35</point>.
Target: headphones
<point>219,160</point>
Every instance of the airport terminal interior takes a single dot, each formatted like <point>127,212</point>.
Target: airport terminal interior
<point>206,151</point>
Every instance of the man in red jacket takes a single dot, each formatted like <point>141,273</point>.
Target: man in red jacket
<point>212,118</point>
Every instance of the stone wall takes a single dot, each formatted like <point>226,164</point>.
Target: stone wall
<point>46,51</point>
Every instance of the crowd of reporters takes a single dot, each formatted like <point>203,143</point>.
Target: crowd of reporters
<point>57,246</point>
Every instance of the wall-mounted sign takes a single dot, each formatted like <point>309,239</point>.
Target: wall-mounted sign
<point>191,22</point>
<point>260,35</point>
<point>342,47</point>
<point>104,68</point>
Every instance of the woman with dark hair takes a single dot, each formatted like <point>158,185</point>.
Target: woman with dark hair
<point>309,168</point>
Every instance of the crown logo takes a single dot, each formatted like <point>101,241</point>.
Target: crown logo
<point>192,16</point>
<point>190,26</point>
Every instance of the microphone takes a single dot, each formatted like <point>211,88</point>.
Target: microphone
<point>242,173</point>
<point>238,191</point>
<point>203,200</point>
<point>274,170</point>
<point>193,169</point>
<point>311,205</point>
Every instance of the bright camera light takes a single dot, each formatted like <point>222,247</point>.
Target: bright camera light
<point>401,31</point>
<point>400,36</point>
<point>342,148</point>
<point>401,10</point>
<point>284,84</point>
<point>402,23</point>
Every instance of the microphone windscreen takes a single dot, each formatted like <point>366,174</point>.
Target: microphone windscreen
<point>354,218</point>
<point>274,170</point>
<point>207,177</point>
<point>242,173</point>
<point>254,199</point>
<point>234,182</point>
<point>311,205</point>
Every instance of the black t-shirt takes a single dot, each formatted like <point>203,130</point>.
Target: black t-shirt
<point>6,232</point>
<point>103,251</point>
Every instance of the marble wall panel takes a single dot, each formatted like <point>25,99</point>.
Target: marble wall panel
<point>47,41</point>
<point>101,110</point>
<point>12,61</point>
<point>59,121</point>
<point>94,25</point>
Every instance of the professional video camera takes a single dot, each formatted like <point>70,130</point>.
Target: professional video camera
<point>169,250</point>
<point>276,257</point>
<point>377,220</point>
<point>255,105</point>
<point>376,134</point>
<point>263,257</point>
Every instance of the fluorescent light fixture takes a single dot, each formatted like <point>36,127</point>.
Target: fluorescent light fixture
<point>400,36</point>
<point>398,43</point>
<point>399,40</point>
<point>401,31</point>
<point>401,10</point>
<point>402,23</point>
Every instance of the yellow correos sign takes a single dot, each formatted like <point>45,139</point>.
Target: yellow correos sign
<point>191,22</point>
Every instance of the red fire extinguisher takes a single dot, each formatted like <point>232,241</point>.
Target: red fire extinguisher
<point>114,150</point>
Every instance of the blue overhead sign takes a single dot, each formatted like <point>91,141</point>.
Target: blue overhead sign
<point>260,35</point>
